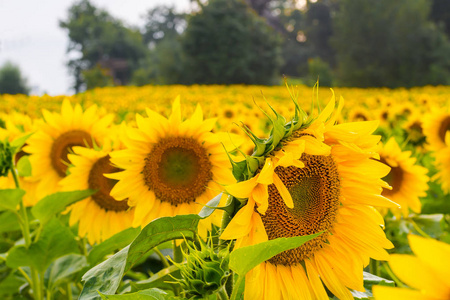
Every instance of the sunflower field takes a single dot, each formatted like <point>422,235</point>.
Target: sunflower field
<point>226,192</point>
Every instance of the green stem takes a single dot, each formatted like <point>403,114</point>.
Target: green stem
<point>222,294</point>
<point>25,275</point>
<point>37,295</point>
<point>177,253</point>
<point>373,267</point>
<point>162,257</point>
<point>234,295</point>
<point>418,229</point>
<point>225,221</point>
<point>36,282</point>
<point>69,291</point>
<point>392,275</point>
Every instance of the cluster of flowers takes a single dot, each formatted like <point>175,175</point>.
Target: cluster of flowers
<point>312,173</point>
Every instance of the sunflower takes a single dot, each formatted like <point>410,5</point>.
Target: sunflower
<point>171,166</point>
<point>359,113</point>
<point>413,130</point>
<point>17,125</point>
<point>408,181</point>
<point>310,176</point>
<point>100,216</point>
<point>436,125</point>
<point>426,273</point>
<point>443,166</point>
<point>54,140</point>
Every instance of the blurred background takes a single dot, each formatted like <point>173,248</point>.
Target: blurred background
<point>66,47</point>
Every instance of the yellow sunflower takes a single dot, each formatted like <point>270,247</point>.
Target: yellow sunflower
<point>414,130</point>
<point>18,125</point>
<point>54,140</point>
<point>310,176</point>
<point>408,180</point>
<point>426,273</point>
<point>358,114</point>
<point>436,125</point>
<point>100,216</point>
<point>171,166</point>
<point>443,166</point>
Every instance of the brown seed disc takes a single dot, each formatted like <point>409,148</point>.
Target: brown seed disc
<point>63,146</point>
<point>445,126</point>
<point>315,191</point>
<point>177,169</point>
<point>104,185</point>
<point>360,116</point>
<point>394,179</point>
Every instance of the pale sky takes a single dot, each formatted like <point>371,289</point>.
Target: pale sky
<point>31,38</point>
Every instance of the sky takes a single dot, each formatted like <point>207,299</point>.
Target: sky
<point>30,36</point>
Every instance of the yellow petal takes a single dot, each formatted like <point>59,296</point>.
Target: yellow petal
<point>267,173</point>
<point>283,191</point>
<point>434,253</point>
<point>242,189</point>
<point>391,293</point>
<point>412,271</point>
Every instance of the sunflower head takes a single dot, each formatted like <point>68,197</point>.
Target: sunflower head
<point>205,271</point>
<point>308,176</point>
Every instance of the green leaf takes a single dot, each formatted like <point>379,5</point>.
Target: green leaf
<point>10,198</point>
<point>115,242</point>
<point>20,141</point>
<point>244,259</point>
<point>8,222</point>
<point>369,281</point>
<point>159,231</point>
<point>10,285</point>
<point>64,269</point>
<point>159,279</point>
<point>150,294</point>
<point>56,240</point>
<point>209,208</point>
<point>105,277</point>
<point>55,203</point>
<point>24,166</point>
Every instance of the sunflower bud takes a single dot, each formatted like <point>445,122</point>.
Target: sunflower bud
<point>6,156</point>
<point>205,271</point>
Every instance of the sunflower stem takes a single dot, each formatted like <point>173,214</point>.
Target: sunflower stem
<point>37,292</point>
<point>162,257</point>
<point>234,295</point>
<point>222,294</point>
<point>177,253</point>
<point>373,267</point>
<point>69,291</point>
<point>392,275</point>
<point>36,282</point>
<point>225,221</point>
<point>418,229</point>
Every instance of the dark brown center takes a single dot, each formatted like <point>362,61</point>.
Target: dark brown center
<point>445,126</point>
<point>177,169</point>
<point>97,181</point>
<point>315,191</point>
<point>394,179</point>
<point>62,146</point>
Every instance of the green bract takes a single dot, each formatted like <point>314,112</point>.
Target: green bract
<point>205,271</point>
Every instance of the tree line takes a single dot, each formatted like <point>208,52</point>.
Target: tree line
<point>368,43</point>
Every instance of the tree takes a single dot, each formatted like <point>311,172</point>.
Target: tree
<point>163,23</point>
<point>227,43</point>
<point>101,39</point>
<point>377,44</point>
<point>11,80</point>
